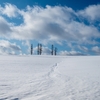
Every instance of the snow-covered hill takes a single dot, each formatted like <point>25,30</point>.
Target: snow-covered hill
<point>49,78</point>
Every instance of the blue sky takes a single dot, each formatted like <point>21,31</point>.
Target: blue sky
<point>71,26</point>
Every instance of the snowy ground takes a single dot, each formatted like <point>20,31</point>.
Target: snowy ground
<point>49,78</point>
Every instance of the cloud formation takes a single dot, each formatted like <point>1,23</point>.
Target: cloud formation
<point>5,29</point>
<point>91,13</point>
<point>9,48</point>
<point>71,53</point>
<point>51,24</point>
<point>9,10</point>
<point>96,49</point>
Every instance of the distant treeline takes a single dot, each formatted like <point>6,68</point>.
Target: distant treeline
<point>39,49</point>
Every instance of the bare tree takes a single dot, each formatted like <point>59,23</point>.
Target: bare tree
<point>31,49</point>
<point>52,47</point>
<point>40,49</point>
<point>55,51</point>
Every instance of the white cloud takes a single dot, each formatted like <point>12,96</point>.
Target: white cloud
<point>9,48</point>
<point>4,28</point>
<point>91,12</point>
<point>50,24</point>
<point>96,49</point>
<point>83,48</point>
<point>53,24</point>
<point>46,50</point>
<point>9,10</point>
<point>71,53</point>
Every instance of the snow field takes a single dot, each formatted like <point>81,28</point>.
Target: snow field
<point>49,78</point>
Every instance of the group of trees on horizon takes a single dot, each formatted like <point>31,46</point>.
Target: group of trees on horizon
<point>53,50</point>
<point>39,49</point>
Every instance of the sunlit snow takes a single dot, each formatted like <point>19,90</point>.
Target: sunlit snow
<point>49,77</point>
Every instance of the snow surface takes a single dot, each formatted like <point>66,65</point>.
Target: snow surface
<point>49,78</point>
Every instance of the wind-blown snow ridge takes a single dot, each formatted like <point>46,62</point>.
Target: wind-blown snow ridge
<point>49,78</point>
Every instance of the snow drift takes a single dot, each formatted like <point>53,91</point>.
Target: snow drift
<point>49,78</point>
